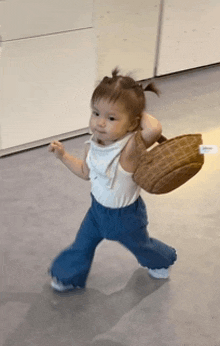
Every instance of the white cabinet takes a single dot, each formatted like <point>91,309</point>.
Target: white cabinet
<point>28,18</point>
<point>47,70</point>
<point>46,85</point>
<point>189,35</point>
<point>126,36</point>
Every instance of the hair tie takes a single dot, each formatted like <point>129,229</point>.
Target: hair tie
<point>136,85</point>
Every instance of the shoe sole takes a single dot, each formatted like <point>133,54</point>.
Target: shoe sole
<point>157,276</point>
<point>64,289</point>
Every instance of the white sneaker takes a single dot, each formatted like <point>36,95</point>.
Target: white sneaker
<point>58,286</point>
<point>162,273</point>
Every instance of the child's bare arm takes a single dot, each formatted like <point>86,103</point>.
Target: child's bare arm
<point>151,129</point>
<point>75,165</point>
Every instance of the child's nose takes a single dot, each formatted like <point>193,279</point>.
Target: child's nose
<point>101,122</point>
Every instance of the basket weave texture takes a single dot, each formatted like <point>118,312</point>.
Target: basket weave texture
<point>168,165</point>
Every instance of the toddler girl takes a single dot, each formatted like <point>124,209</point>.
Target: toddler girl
<point>117,210</point>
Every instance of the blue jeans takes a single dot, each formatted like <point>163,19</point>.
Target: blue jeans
<point>127,225</point>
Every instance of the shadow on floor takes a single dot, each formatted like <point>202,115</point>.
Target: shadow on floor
<point>54,318</point>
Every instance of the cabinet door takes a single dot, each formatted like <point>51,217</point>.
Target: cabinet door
<point>28,18</point>
<point>189,35</point>
<point>46,84</point>
<point>126,36</point>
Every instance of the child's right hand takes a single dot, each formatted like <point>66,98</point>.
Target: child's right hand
<point>57,148</point>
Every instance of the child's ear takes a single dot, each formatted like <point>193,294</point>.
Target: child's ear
<point>135,125</point>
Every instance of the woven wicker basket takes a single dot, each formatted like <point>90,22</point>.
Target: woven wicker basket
<point>168,165</point>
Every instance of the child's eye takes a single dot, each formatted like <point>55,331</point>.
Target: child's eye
<point>111,118</point>
<point>95,113</point>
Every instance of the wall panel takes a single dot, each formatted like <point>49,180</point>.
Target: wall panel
<point>28,18</point>
<point>189,35</point>
<point>126,36</point>
<point>46,84</point>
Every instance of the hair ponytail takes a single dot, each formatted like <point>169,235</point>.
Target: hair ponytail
<point>115,72</point>
<point>151,87</point>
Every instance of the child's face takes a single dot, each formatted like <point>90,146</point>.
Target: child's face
<point>109,122</point>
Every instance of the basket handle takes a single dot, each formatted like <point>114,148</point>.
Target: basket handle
<point>141,147</point>
<point>162,139</point>
<point>140,141</point>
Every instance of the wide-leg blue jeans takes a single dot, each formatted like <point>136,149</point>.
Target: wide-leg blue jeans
<point>127,225</point>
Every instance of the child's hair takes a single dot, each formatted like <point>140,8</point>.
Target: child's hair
<point>125,90</point>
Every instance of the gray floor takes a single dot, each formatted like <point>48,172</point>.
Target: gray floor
<point>42,206</point>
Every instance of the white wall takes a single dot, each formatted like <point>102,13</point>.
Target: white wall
<point>47,70</point>
<point>29,18</point>
<point>47,85</point>
<point>126,36</point>
<point>190,35</point>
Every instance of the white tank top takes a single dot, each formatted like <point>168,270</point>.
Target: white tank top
<point>112,186</point>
